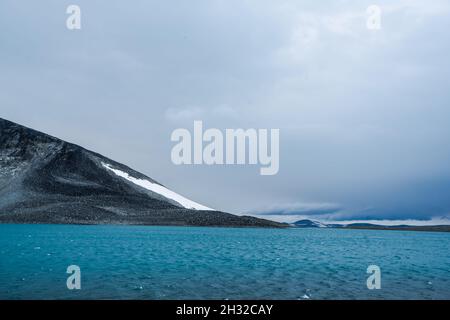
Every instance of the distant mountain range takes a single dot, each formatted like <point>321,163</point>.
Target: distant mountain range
<point>316,224</point>
<point>46,180</point>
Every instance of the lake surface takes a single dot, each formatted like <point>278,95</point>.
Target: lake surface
<point>127,262</point>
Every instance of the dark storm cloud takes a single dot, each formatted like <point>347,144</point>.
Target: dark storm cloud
<point>313,209</point>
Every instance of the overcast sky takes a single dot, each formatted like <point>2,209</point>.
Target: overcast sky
<point>364,115</point>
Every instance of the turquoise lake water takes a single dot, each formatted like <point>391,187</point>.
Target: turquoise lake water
<point>127,262</point>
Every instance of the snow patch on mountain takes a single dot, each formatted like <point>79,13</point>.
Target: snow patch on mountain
<point>154,187</point>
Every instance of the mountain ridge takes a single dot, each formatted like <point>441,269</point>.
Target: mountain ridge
<point>44,179</point>
<point>305,223</point>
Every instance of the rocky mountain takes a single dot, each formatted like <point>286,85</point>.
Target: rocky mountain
<point>46,180</point>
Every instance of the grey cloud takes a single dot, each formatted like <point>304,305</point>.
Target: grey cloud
<point>313,209</point>
<point>363,116</point>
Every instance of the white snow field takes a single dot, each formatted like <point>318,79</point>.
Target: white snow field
<point>154,187</point>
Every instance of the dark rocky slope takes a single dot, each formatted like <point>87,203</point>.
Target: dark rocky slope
<point>46,180</point>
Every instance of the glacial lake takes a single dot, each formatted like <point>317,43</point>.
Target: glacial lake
<point>139,262</point>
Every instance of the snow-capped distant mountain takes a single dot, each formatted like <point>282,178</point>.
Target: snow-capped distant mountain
<point>309,224</point>
<point>46,180</point>
<point>317,224</point>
